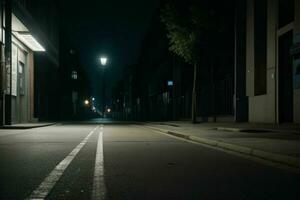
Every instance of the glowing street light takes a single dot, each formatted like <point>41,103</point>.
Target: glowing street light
<point>86,102</point>
<point>103,61</point>
<point>108,110</point>
<point>93,99</point>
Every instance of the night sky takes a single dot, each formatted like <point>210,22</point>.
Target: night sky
<point>114,28</point>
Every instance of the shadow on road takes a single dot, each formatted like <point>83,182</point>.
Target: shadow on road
<point>101,121</point>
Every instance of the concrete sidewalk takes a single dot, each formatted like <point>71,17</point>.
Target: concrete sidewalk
<point>27,125</point>
<point>239,127</point>
<point>278,145</point>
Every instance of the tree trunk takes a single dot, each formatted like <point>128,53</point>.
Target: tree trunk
<point>194,96</point>
<point>213,84</point>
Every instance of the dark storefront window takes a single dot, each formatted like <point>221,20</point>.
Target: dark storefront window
<point>21,78</point>
<point>286,10</point>
<point>260,43</point>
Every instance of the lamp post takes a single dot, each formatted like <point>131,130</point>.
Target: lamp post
<point>86,102</point>
<point>103,61</point>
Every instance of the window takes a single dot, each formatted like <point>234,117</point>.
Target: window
<point>260,47</point>
<point>21,78</point>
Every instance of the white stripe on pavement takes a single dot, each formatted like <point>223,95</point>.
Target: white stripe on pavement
<point>99,188</point>
<point>49,182</point>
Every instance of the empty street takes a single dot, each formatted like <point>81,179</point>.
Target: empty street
<point>111,160</point>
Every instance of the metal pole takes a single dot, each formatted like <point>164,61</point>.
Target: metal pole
<point>3,64</point>
<point>103,92</point>
<point>8,24</point>
<point>241,100</point>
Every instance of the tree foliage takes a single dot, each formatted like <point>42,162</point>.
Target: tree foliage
<point>186,30</point>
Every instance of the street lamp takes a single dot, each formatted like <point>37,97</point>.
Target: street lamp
<point>86,102</point>
<point>103,61</point>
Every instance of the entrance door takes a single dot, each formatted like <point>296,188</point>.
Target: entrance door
<point>22,93</point>
<point>285,78</point>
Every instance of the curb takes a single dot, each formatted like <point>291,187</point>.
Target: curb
<point>274,157</point>
<point>26,127</point>
<point>230,129</point>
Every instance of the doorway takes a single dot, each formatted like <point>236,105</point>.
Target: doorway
<point>22,93</point>
<point>285,78</point>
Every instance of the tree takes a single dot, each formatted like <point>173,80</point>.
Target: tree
<point>186,33</point>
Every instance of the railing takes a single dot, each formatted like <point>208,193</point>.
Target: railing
<point>210,102</point>
<point>218,100</point>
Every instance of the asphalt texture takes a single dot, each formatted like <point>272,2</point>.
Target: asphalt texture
<point>136,163</point>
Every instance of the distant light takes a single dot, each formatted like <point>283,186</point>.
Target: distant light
<point>103,61</point>
<point>108,110</point>
<point>170,83</point>
<point>29,41</point>
<point>74,75</point>
<point>86,102</point>
<point>93,99</point>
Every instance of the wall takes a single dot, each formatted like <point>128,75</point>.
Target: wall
<point>262,108</point>
<point>42,19</point>
<point>22,111</point>
<point>297,91</point>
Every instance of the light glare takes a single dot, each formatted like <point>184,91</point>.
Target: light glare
<point>30,41</point>
<point>103,60</point>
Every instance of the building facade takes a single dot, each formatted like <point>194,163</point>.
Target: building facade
<point>267,61</point>
<point>29,46</point>
<point>75,87</point>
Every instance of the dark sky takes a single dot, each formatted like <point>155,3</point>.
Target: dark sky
<point>107,27</point>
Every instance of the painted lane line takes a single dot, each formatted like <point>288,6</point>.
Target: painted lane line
<point>42,191</point>
<point>99,188</point>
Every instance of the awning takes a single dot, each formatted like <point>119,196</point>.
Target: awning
<point>21,32</point>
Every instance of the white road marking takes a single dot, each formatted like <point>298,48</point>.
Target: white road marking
<point>99,188</point>
<point>49,182</point>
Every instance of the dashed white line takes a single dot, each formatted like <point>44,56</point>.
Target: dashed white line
<point>99,188</point>
<point>49,182</point>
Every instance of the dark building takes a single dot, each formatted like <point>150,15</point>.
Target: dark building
<point>162,82</point>
<point>74,86</point>
<point>267,61</point>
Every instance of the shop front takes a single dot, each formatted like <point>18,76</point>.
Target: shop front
<point>21,78</point>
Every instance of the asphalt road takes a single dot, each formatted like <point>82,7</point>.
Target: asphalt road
<point>126,161</point>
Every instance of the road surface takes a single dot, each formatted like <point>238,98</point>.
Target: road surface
<point>127,161</point>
